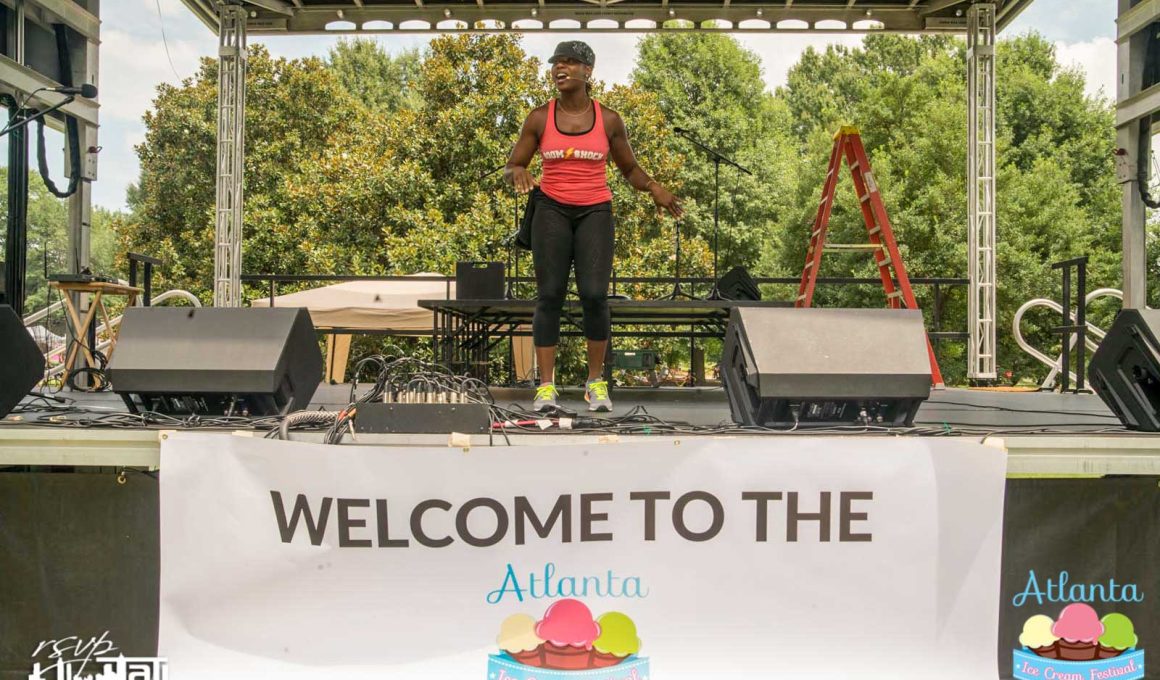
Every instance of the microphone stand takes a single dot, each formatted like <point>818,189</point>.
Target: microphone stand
<point>510,241</point>
<point>678,292</point>
<point>38,115</point>
<point>718,159</point>
<point>513,252</point>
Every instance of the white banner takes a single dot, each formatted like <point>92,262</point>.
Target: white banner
<point>705,558</point>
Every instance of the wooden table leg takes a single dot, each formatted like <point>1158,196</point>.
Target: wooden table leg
<point>79,331</point>
<point>108,332</point>
<point>90,319</point>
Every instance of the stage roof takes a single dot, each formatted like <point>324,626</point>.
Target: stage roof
<point>274,17</point>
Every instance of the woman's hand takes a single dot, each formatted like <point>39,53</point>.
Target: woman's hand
<point>522,180</point>
<point>666,201</point>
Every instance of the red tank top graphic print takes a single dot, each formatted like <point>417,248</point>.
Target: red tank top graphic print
<point>574,163</point>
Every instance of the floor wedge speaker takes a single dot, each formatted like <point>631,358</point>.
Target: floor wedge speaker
<point>216,361</point>
<point>737,284</point>
<point>1125,370</point>
<point>21,363</point>
<point>825,367</point>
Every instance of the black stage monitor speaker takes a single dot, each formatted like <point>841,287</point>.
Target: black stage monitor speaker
<point>216,361</point>
<point>1125,370</point>
<point>825,367</point>
<point>479,281</point>
<point>737,284</point>
<point>21,363</point>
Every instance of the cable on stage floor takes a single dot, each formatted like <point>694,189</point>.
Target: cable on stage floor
<point>408,380</point>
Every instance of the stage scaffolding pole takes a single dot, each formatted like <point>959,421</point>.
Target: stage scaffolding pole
<point>982,309</point>
<point>1137,102</point>
<point>227,286</point>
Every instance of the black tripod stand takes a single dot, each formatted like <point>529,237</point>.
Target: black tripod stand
<point>678,292</point>
<point>718,159</point>
<point>513,251</point>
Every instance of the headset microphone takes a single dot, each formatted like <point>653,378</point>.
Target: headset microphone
<point>583,79</point>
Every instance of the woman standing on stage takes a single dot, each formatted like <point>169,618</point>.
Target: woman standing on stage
<point>572,218</point>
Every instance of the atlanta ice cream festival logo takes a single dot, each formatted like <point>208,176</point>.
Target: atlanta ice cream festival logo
<point>568,644</point>
<point>1079,646</point>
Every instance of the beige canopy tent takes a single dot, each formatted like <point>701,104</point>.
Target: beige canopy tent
<point>383,307</point>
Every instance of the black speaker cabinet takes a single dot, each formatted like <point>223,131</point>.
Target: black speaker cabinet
<point>21,363</point>
<point>216,361</point>
<point>1125,370</point>
<point>737,284</point>
<point>479,281</point>
<point>825,367</point>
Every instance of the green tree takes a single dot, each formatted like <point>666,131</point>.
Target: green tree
<point>711,86</point>
<point>383,83</point>
<point>423,188</point>
<point>48,242</point>
<point>173,202</point>
<point>1057,196</point>
<point>345,188</point>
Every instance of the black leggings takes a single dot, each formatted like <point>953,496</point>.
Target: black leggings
<point>563,234</point>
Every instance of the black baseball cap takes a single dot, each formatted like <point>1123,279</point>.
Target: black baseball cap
<point>574,49</point>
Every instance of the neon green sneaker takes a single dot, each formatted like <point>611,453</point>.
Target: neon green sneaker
<point>596,394</point>
<point>545,398</point>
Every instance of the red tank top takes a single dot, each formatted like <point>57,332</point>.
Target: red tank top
<point>574,163</point>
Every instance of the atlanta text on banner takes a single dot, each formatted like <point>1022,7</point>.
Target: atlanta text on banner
<point>752,558</point>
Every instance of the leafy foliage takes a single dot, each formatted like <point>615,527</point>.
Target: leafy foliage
<point>1056,191</point>
<point>383,83</point>
<point>48,243</point>
<point>394,168</point>
<point>710,86</point>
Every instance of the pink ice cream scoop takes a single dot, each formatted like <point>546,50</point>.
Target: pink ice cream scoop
<point>1079,623</point>
<point>568,623</point>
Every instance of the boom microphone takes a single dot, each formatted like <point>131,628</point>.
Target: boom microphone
<point>552,77</point>
<point>87,91</point>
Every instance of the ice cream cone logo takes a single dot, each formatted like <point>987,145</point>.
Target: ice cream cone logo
<point>617,640</point>
<point>567,640</point>
<point>1079,628</point>
<point>1119,636</point>
<point>1037,636</point>
<point>568,630</point>
<point>1107,647</point>
<point>517,636</point>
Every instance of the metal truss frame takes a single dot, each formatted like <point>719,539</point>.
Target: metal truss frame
<point>982,309</point>
<point>227,285</point>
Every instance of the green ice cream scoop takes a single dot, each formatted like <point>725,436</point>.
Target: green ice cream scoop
<point>617,635</point>
<point>1119,633</point>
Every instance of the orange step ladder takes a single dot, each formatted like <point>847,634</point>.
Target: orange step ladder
<point>848,142</point>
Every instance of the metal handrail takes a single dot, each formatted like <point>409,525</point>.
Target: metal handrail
<point>1056,365</point>
<point>43,314</point>
<point>840,280</point>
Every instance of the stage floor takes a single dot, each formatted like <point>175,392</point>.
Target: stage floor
<point>1044,433</point>
<point>707,406</point>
